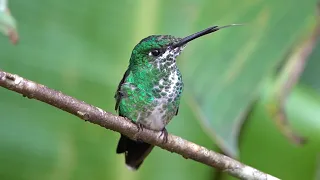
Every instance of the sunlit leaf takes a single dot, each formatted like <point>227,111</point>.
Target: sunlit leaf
<point>7,22</point>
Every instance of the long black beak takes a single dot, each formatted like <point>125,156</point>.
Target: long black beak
<point>201,33</point>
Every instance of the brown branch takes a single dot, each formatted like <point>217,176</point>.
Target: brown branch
<point>107,120</point>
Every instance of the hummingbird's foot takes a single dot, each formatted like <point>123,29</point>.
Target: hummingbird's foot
<point>164,133</point>
<point>140,127</point>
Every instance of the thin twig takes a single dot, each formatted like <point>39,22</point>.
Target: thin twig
<point>107,120</point>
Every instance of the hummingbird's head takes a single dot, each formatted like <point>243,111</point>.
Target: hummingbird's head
<point>163,49</point>
<point>156,49</point>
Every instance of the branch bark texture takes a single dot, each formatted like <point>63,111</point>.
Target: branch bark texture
<point>107,120</point>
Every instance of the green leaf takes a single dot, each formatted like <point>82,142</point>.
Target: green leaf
<point>309,76</point>
<point>264,147</point>
<point>224,71</point>
<point>286,78</point>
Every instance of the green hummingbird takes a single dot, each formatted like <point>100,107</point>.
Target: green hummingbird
<point>150,90</point>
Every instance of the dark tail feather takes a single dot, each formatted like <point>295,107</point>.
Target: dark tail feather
<point>135,152</point>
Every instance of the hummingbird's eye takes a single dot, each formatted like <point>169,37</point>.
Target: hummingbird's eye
<point>154,52</point>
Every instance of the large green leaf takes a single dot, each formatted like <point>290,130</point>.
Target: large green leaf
<point>224,71</point>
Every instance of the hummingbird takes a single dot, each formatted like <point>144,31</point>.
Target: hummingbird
<point>149,92</point>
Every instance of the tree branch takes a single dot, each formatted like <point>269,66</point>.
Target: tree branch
<point>107,120</point>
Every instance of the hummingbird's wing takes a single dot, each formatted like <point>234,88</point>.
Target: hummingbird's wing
<point>118,95</point>
<point>135,152</point>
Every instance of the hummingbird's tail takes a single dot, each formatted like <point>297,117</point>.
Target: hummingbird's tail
<point>135,152</point>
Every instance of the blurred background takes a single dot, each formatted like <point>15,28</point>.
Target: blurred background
<point>82,48</point>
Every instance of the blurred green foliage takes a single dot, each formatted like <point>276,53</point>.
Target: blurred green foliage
<point>82,48</point>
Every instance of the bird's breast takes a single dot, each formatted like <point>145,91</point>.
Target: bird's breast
<point>165,104</point>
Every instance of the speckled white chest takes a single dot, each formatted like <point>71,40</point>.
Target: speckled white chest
<point>157,119</point>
